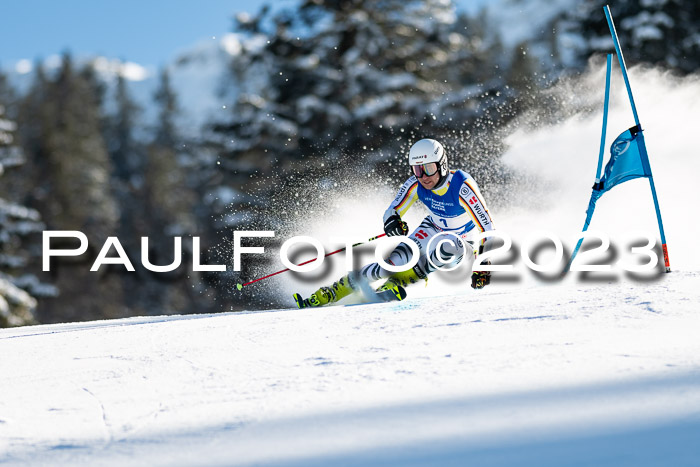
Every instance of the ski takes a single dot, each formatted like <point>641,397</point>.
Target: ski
<point>300,301</point>
<point>397,293</point>
<point>363,287</point>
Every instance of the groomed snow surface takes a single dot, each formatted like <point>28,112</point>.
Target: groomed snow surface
<point>585,373</point>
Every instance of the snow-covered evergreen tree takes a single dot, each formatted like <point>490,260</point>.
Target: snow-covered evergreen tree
<point>339,74</point>
<point>17,223</point>
<point>166,188</point>
<point>658,32</point>
<point>61,135</point>
<point>354,79</point>
<point>168,205</point>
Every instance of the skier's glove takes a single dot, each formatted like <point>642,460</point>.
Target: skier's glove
<point>481,279</point>
<point>395,226</point>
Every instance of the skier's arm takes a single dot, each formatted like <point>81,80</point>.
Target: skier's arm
<point>407,195</point>
<point>473,202</point>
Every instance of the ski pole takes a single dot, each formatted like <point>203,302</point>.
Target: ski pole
<point>239,286</point>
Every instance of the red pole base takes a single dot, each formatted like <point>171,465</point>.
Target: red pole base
<point>666,261</point>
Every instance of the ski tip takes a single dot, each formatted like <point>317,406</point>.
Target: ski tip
<point>400,293</point>
<point>299,301</point>
<point>396,293</point>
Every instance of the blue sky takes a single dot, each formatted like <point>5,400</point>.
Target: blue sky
<point>149,32</point>
<point>143,31</point>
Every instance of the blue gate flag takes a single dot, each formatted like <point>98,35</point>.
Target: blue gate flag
<point>628,160</point>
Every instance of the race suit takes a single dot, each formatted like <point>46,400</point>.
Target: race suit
<point>456,207</point>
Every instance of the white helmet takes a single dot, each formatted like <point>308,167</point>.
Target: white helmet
<point>426,151</point>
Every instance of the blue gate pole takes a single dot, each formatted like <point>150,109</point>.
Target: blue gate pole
<point>605,118</point>
<point>597,186</point>
<point>621,59</point>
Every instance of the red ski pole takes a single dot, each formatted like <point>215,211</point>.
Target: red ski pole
<point>239,286</point>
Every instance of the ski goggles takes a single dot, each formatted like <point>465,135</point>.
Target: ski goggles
<point>428,170</point>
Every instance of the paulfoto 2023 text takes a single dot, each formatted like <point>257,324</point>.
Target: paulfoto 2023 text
<point>639,258</point>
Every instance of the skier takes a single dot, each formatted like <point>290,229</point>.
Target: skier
<point>456,207</point>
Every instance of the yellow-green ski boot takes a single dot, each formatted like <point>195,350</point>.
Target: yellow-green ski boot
<point>326,295</point>
<point>394,287</point>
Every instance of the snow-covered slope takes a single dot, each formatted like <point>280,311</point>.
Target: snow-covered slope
<point>590,374</point>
